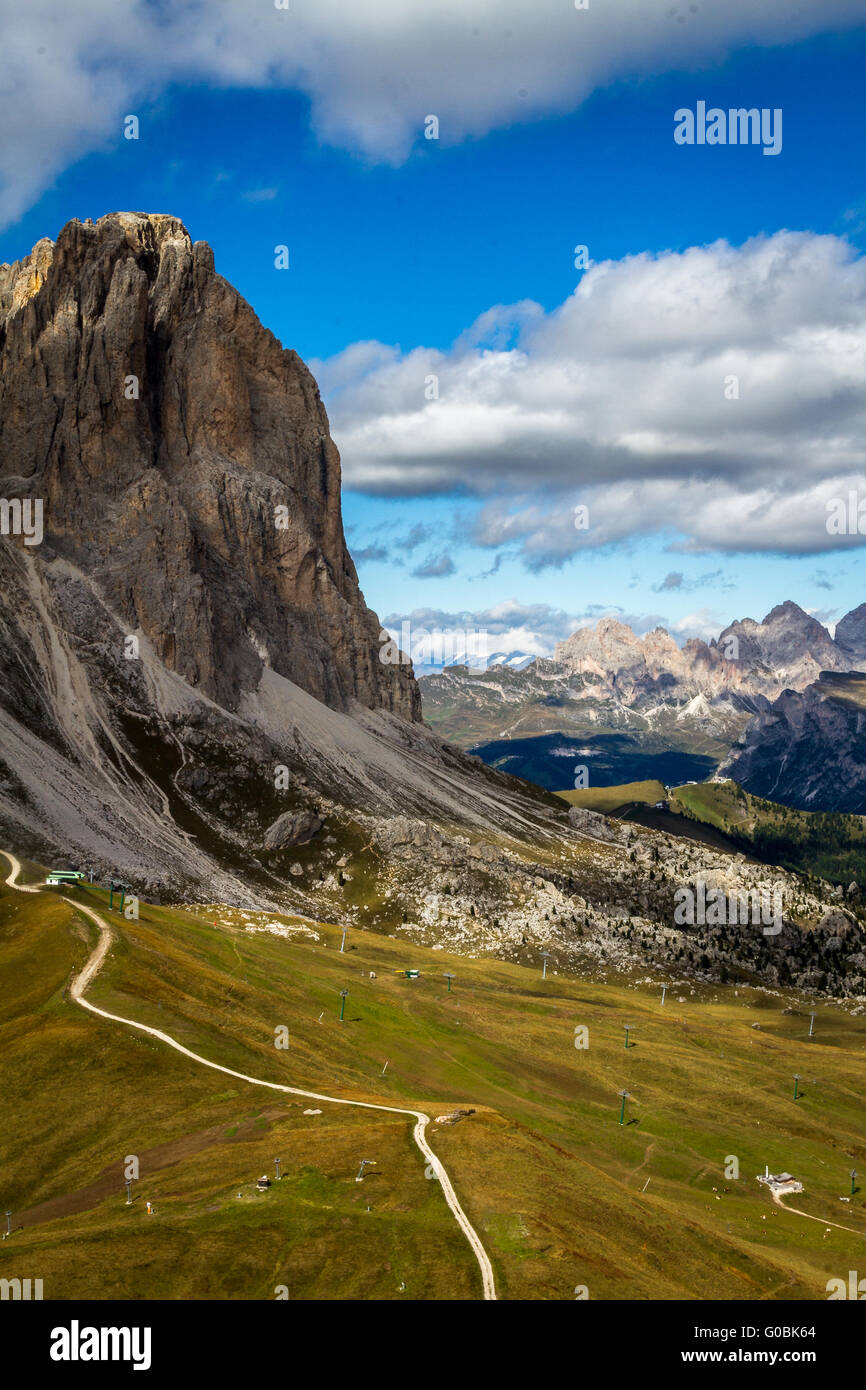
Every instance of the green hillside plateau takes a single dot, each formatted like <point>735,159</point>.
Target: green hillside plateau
<point>609,799</point>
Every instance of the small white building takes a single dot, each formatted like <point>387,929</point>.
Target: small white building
<point>780,1182</point>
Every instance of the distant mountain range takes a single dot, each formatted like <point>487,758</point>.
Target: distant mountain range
<point>788,650</point>
<point>513,661</point>
<point>632,698</point>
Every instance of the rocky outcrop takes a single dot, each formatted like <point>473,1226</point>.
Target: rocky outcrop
<point>292,829</point>
<point>185,464</point>
<point>599,827</point>
<point>790,646</point>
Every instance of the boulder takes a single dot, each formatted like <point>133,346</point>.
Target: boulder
<point>292,828</point>
<point>594,824</point>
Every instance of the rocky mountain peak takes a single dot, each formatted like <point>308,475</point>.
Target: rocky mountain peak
<point>789,642</point>
<point>609,645</point>
<point>787,610</point>
<point>185,462</point>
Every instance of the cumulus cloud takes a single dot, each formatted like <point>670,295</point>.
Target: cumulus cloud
<point>705,623</point>
<point>372,73</point>
<point>716,394</point>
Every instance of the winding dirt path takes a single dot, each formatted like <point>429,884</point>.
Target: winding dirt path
<point>12,880</point>
<point>81,982</point>
<point>777,1198</point>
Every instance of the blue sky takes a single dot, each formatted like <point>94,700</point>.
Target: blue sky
<point>408,251</point>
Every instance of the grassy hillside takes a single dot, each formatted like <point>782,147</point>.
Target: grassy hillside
<point>830,844</point>
<point>557,1189</point>
<point>608,799</point>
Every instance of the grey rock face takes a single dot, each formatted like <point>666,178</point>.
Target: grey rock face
<point>788,649</point>
<point>598,826</point>
<point>789,642</point>
<point>292,829</point>
<point>163,426</point>
<point>850,635</point>
<point>807,749</point>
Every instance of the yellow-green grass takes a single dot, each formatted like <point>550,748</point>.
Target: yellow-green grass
<point>729,807</point>
<point>80,1095</point>
<point>723,804</point>
<point>607,799</point>
<point>551,1181</point>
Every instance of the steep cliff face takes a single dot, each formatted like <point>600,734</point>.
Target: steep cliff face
<point>808,748</point>
<point>185,465</point>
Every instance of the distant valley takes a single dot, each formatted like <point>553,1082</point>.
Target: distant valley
<point>550,760</point>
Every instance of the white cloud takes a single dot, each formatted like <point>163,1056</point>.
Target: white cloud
<point>372,71</point>
<point>705,623</point>
<point>618,400</point>
<point>534,628</point>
